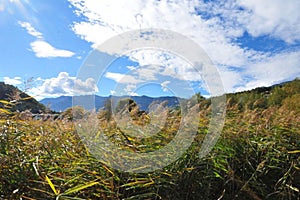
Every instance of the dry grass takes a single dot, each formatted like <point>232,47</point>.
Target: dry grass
<point>257,157</point>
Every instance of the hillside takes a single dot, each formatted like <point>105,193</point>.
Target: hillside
<point>19,100</point>
<point>286,94</point>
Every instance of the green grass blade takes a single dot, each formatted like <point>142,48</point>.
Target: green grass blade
<point>6,102</point>
<point>78,188</point>
<point>51,185</point>
<point>295,151</point>
<point>4,111</point>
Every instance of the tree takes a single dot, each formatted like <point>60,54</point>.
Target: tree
<point>125,104</point>
<point>76,112</point>
<point>106,113</point>
<point>199,97</point>
<point>276,97</point>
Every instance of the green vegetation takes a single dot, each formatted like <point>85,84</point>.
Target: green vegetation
<point>256,157</point>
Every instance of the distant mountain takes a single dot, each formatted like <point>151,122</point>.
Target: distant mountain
<point>58,104</point>
<point>62,103</point>
<point>144,101</point>
<point>261,97</point>
<point>19,100</point>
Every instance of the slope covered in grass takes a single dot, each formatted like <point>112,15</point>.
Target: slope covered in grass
<point>20,100</point>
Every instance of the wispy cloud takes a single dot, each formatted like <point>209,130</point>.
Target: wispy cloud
<point>43,49</point>
<point>275,17</point>
<point>31,30</point>
<point>122,78</point>
<point>164,85</point>
<point>40,47</point>
<point>215,25</point>
<point>272,70</point>
<point>125,84</point>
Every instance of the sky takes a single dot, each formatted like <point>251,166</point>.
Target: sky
<point>46,44</point>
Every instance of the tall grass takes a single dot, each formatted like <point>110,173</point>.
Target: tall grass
<point>257,157</point>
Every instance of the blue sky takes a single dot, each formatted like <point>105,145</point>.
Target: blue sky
<point>251,44</point>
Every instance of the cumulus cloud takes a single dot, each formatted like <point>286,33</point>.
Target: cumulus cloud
<point>103,23</point>
<point>64,85</point>
<point>216,26</point>
<point>12,81</point>
<point>40,47</point>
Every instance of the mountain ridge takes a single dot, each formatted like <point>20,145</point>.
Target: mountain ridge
<point>257,94</point>
<point>62,103</point>
<point>261,96</point>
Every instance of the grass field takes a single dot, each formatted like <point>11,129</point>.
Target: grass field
<point>256,157</point>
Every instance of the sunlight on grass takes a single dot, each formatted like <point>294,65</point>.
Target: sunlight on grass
<point>257,157</point>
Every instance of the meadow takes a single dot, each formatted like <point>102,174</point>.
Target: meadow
<point>256,157</point>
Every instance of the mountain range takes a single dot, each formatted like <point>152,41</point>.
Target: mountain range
<point>13,99</point>
<point>61,103</point>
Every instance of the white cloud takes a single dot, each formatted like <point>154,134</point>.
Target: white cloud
<point>43,49</point>
<point>155,62</point>
<point>215,26</point>
<point>122,78</point>
<point>85,87</point>
<point>129,90</point>
<point>114,76</point>
<point>230,78</point>
<point>272,70</point>
<point>164,86</point>
<point>112,92</point>
<point>131,67</point>
<point>275,17</point>
<point>39,79</point>
<point>64,84</point>
<point>154,67</point>
<point>12,81</point>
<point>40,47</point>
<point>31,30</point>
<point>104,22</point>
